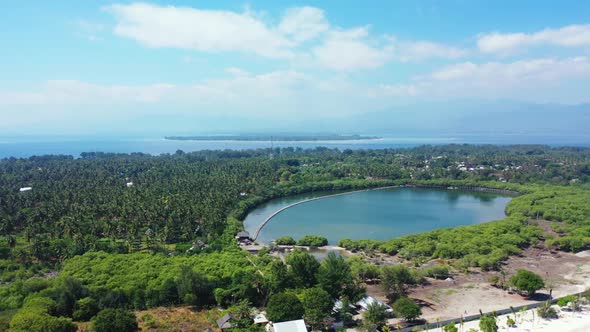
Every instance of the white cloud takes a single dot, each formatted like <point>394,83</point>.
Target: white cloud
<point>536,80</point>
<point>546,69</point>
<point>351,50</point>
<point>422,50</point>
<point>60,92</point>
<point>539,80</point>
<point>201,30</point>
<point>242,87</point>
<point>303,23</point>
<point>568,36</point>
<point>303,36</point>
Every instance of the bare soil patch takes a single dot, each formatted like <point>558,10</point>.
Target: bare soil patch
<point>564,273</point>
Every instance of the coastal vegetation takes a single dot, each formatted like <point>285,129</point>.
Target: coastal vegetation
<point>307,240</point>
<point>135,231</point>
<point>313,241</point>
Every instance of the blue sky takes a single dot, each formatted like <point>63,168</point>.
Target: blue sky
<point>200,66</point>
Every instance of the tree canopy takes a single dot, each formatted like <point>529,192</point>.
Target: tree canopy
<point>407,309</point>
<point>395,281</point>
<point>318,305</point>
<point>136,231</point>
<point>527,281</point>
<point>283,307</point>
<point>109,320</point>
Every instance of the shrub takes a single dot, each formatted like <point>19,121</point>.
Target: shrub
<point>527,281</point>
<point>488,324</point>
<point>313,241</point>
<point>395,281</point>
<point>510,322</point>
<point>494,280</point>
<point>41,322</point>
<point>546,311</point>
<point>149,321</point>
<point>285,241</point>
<point>450,327</point>
<point>375,316</point>
<point>119,320</point>
<point>86,308</point>
<point>437,271</point>
<point>35,316</point>
<point>562,302</point>
<point>407,309</point>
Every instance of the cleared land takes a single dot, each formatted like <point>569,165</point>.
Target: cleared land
<point>529,320</point>
<point>466,294</point>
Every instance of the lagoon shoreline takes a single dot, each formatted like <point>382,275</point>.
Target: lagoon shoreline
<point>463,188</point>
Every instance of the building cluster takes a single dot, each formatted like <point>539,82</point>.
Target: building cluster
<point>225,323</point>
<point>243,238</point>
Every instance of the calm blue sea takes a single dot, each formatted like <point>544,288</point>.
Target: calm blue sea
<point>29,146</point>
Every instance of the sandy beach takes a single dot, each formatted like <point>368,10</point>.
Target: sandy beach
<point>529,321</point>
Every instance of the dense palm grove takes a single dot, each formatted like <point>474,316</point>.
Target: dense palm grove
<point>137,231</point>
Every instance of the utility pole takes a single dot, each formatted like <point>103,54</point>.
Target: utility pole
<point>270,156</point>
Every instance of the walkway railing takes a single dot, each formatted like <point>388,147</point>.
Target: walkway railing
<point>257,232</point>
<point>421,327</point>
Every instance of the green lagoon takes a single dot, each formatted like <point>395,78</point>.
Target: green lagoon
<point>375,214</point>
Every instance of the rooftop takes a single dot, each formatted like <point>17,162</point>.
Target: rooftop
<point>242,234</point>
<point>290,326</point>
<point>224,322</point>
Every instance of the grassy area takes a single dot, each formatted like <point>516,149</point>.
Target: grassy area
<point>176,319</point>
<point>5,317</point>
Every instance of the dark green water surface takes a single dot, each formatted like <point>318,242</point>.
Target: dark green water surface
<point>376,214</point>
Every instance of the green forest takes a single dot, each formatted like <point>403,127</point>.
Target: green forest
<point>109,231</point>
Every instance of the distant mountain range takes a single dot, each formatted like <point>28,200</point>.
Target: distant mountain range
<point>499,118</point>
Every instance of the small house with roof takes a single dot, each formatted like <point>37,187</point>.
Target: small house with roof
<point>366,301</point>
<point>243,238</point>
<point>243,235</point>
<point>290,326</point>
<point>260,319</point>
<point>224,322</point>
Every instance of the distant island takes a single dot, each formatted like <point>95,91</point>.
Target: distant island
<point>283,138</point>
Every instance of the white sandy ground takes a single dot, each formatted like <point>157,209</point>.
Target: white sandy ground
<point>529,321</point>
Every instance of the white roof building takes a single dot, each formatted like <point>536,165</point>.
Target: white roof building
<point>260,319</point>
<point>366,301</point>
<point>25,189</point>
<point>290,326</point>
